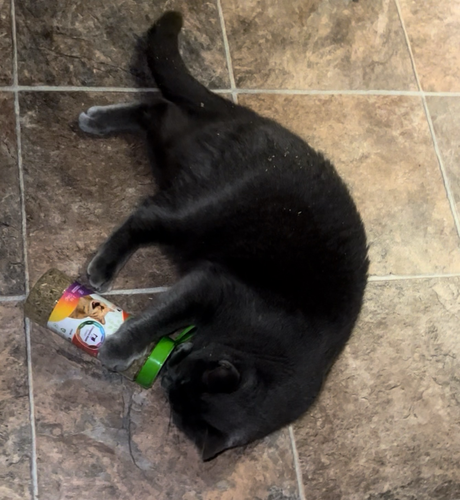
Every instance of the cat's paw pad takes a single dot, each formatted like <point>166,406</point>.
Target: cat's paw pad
<point>92,121</point>
<point>100,272</point>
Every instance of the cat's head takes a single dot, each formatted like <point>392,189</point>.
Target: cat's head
<point>213,392</point>
<point>88,306</point>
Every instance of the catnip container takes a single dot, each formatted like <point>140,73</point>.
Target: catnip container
<point>84,318</point>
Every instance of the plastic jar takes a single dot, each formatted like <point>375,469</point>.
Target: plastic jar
<point>86,319</point>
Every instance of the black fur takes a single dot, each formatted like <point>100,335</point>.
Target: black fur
<point>269,244</point>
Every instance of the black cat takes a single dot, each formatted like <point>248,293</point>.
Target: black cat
<point>268,242</point>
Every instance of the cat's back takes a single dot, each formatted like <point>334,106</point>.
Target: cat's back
<point>220,153</point>
<point>268,182</point>
<point>286,219</point>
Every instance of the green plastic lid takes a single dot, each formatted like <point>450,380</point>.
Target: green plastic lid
<point>161,352</point>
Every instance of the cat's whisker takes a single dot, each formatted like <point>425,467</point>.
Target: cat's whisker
<point>169,422</point>
<point>204,441</point>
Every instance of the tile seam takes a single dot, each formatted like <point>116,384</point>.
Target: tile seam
<point>228,56</point>
<point>412,93</point>
<point>136,291</point>
<point>441,94</point>
<point>32,411</point>
<point>298,471</point>
<point>445,177</point>
<point>162,289</point>
<point>33,458</point>
<point>12,298</point>
<point>82,88</point>
<point>237,91</point>
<point>232,90</point>
<point>408,277</point>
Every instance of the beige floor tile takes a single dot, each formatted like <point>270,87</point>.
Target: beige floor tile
<point>386,424</point>
<point>433,27</point>
<point>15,440</point>
<point>381,145</point>
<point>445,113</point>
<point>317,44</point>
<point>80,188</point>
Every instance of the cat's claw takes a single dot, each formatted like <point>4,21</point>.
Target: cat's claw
<point>100,273</point>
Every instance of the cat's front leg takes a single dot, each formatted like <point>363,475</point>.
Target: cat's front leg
<point>184,304</point>
<point>111,257</point>
<point>145,225</point>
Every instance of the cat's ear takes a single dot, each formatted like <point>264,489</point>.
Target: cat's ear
<point>222,378</point>
<point>214,443</point>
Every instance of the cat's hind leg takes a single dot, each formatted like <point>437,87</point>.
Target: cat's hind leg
<point>114,118</point>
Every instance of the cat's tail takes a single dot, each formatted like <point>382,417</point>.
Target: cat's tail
<point>170,73</point>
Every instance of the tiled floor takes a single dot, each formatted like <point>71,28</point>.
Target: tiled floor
<point>376,86</point>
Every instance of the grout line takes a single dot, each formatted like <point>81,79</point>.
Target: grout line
<point>227,52</point>
<point>445,177</point>
<point>447,185</point>
<point>15,47</point>
<point>441,94</point>
<point>401,277</point>
<point>32,410</point>
<point>72,88</point>
<point>33,458</point>
<point>298,471</point>
<point>409,47</point>
<point>414,93</point>
<point>137,291</point>
<point>162,289</point>
<point>234,90</point>
<point>12,298</point>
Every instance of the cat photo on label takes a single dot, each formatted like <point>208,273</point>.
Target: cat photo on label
<point>91,307</point>
<point>268,244</point>
<point>89,320</point>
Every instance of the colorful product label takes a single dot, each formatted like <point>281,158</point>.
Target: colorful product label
<point>85,318</point>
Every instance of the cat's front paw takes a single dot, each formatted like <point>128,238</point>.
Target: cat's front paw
<point>93,122</point>
<point>117,353</point>
<point>101,272</point>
